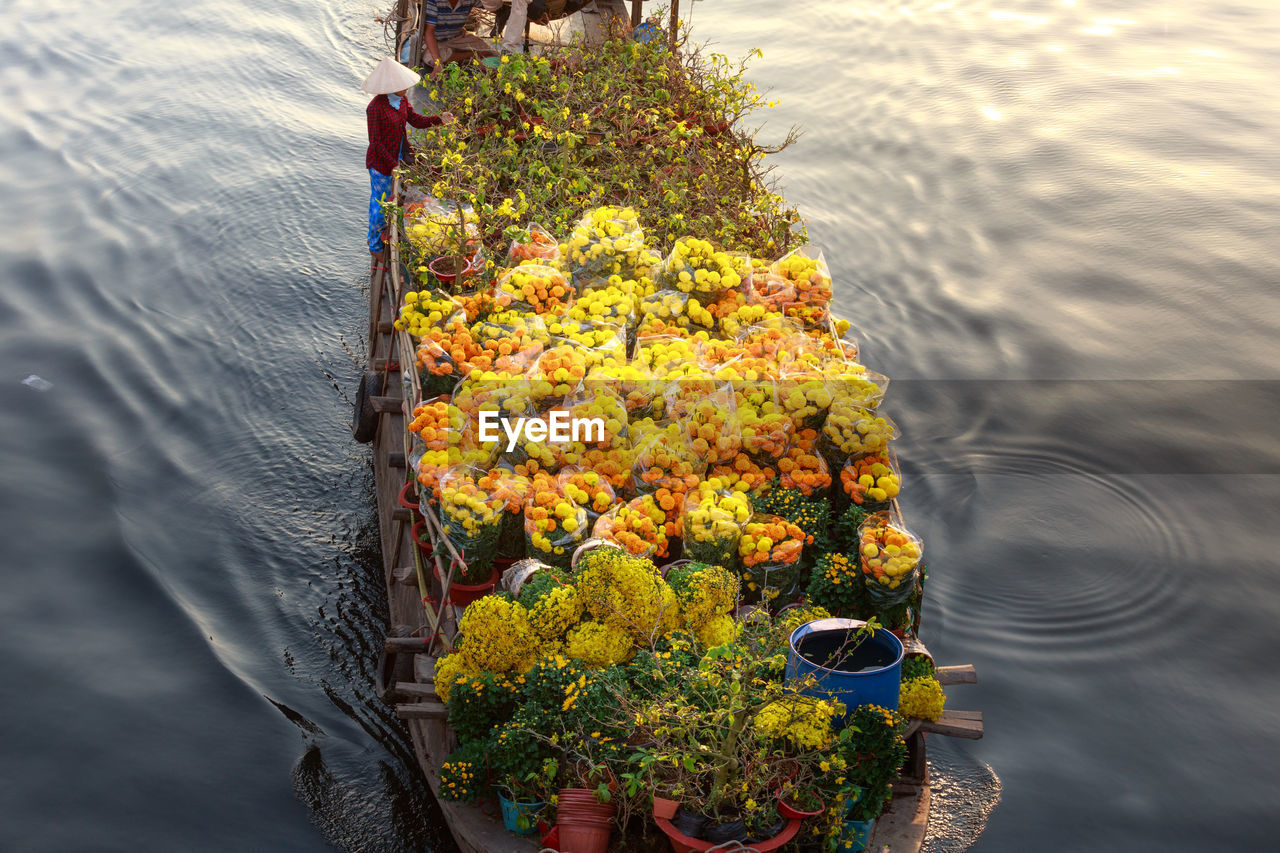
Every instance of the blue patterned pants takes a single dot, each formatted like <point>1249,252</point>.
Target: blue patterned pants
<point>379,188</point>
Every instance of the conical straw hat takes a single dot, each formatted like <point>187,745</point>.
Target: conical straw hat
<point>390,76</point>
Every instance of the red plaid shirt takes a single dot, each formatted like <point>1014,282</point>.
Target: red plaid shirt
<point>386,132</point>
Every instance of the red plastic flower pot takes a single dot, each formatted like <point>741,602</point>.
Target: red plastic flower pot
<point>664,810</point>
<point>791,812</point>
<point>403,496</point>
<point>423,541</point>
<point>463,594</point>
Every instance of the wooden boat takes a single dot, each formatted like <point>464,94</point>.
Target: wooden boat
<point>420,629</point>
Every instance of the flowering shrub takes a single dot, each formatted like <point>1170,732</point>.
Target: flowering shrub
<point>921,698</point>
<point>803,720</point>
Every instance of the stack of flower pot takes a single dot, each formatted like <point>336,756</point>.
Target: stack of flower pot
<point>585,824</point>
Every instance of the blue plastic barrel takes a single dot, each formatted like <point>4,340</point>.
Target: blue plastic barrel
<point>869,675</point>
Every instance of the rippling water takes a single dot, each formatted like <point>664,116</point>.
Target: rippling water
<point>1050,221</point>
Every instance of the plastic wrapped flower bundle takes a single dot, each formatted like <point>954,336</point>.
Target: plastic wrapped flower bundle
<point>431,422</point>
<point>554,525</point>
<point>634,383</point>
<point>766,428</point>
<point>471,518</point>
<point>609,304</point>
<point>745,473</point>
<point>444,354</point>
<point>661,462</point>
<point>696,266</point>
<point>804,469</point>
<point>805,396</point>
<point>852,384</point>
<point>770,549</point>
<point>533,244</point>
<point>890,559</point>
<point>798,286</point>
<point>600,343</point>
<point>638,527</point>
<point>853,431</point>
<point>558,372</point>
<point>533,287</point>
<point>422,311</point>
<point>508,344</point>
<point>668,356</point>
<point>666,312</point>
<point>588,489</point>
<point>599,425</point>
<point>709,419</point>
<point>606,241</point>
<point>871,479</point>
<point>714,517</point>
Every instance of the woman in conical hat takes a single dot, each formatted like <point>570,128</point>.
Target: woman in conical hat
<point>387,115</point>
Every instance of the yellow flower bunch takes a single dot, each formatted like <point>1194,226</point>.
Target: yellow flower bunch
<point>696,266</point>
<point>606,241</point>
<point>766,428</point>
<point>609,304</point>
<point>633,382</point>
<point>853,430</point>
<point>711,425</point>
<point>704,592</point>
<point>854,385</point>
<point>555,613</point>
<point>805,398</point>
<point>600,343</point>
<point>746,474</point>
<point>805,721</point>
<point>452,669</point>
<point>921,698</point>
<point>587,488</point>
<point>639,526</point>
<point>870,478</point>
<point>668,356</point>
<point>663,311</point>
<point>599,645</point>
<point>422,311</point>
<point>496,636</point>
<point>538,288</point>
<point>559,371</point>
<point>890,553</point>
<point>553,524</point>
<point>624,591</point>
<point>716,631</point>
<point>466,505</point>
<point>713,520</point>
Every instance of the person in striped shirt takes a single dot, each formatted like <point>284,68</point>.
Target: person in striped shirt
<point>443,34</point>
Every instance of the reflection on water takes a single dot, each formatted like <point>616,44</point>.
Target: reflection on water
<point>1023,191</point>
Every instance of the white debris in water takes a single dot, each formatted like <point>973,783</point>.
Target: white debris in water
<point>37,383</point>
